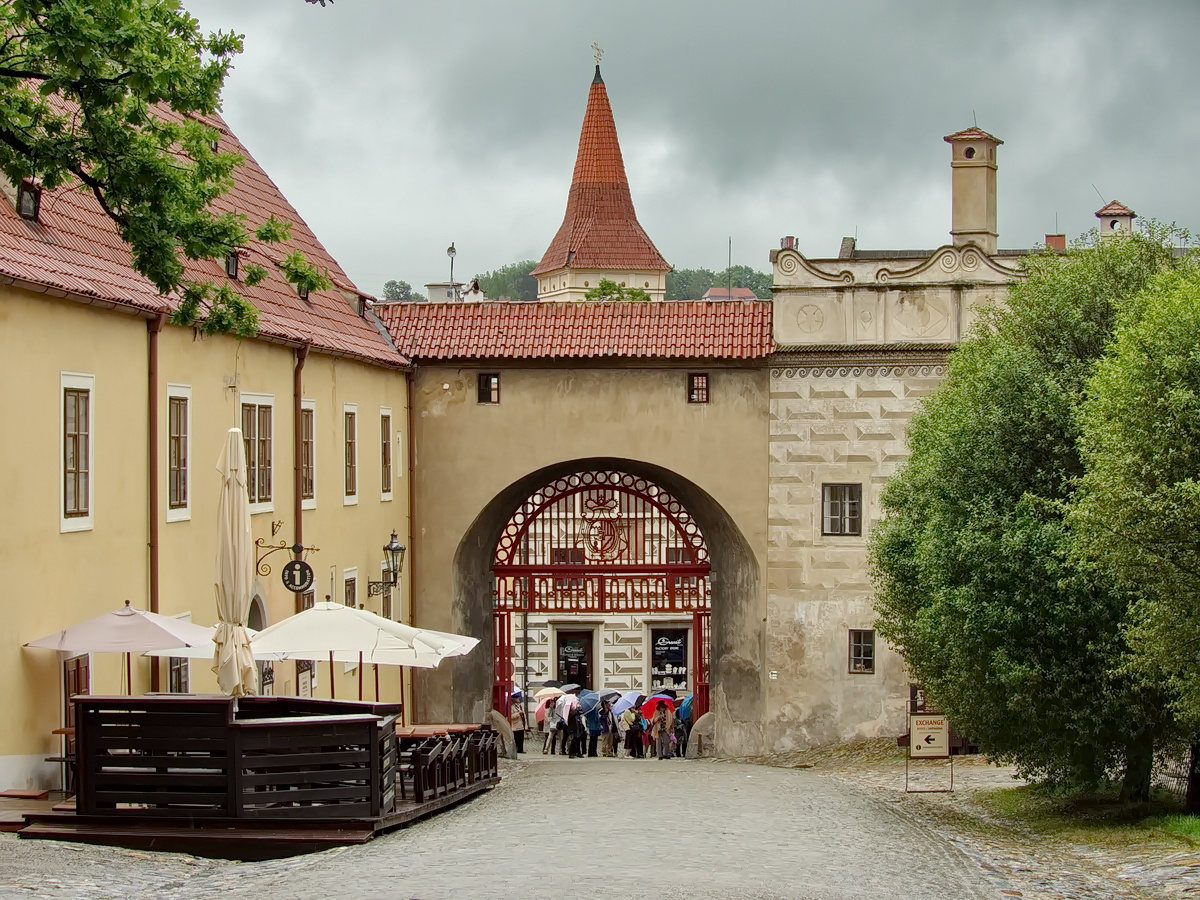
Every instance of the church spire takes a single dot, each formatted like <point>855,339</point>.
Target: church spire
<point>600,230</point>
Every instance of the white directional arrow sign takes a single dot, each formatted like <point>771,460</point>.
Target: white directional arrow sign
<point>929,737</point>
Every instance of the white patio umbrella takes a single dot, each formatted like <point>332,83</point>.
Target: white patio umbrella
<point>127,631</point>
<point>343,633</point>
<point>208,650</point>
<point>236,673</point>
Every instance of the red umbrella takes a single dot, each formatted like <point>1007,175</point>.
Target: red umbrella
<point>651,705</point>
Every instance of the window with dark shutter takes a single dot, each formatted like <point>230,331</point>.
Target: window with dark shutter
<point>489,388</point>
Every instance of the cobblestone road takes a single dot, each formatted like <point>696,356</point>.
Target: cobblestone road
<point>558,828</point>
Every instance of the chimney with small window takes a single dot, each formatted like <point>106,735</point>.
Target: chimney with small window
<point>973,188</point>
<point>1115,219</point>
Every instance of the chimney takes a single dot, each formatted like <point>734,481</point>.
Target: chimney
<point>846,251</point>
<point>787,243</point>
<point>1056,242</point>
<point>1115,219</point>
<point>973,188</point>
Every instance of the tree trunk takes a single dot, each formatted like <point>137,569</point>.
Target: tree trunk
<point>1139,765</point>
<point>1192,801</point>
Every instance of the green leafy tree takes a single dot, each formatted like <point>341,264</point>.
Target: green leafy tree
<point>1020,642</point>
<point>400,292</point>
<point>1138,509</point>
<point>512,281</point>
<point>690,284</point>
<point>107,95</point>
<point>608,289</point>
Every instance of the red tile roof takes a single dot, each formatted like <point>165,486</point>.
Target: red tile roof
<point>738,329</point>
<point>972,134</point>
<point>75,249</point>
<point>600,229</point>
<point>1114,209</point>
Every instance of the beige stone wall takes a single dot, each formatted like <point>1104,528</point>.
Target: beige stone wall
<point>221,373</point>
<point>572,285</point>
<point>54,579</point>
<point>831,424</point>
<point>467,455</point>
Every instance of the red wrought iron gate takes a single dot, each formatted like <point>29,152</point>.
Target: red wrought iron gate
<point>601,543</point>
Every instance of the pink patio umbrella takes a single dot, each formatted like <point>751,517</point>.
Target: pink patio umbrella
<point>127,630</point>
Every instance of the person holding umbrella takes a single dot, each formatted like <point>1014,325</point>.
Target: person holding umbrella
<point>633,732</point>
<point>662,724</point>
<point>517,719</point>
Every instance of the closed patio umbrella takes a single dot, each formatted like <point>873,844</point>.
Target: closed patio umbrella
<point>233,663</point>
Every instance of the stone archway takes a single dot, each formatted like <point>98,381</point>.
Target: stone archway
<point>738,692</point>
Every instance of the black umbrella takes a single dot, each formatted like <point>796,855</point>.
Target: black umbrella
<point>667,692</point>
<point>567,688</point>
<point>552,683</point>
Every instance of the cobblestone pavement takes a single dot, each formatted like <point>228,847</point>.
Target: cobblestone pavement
<point>558,828</point>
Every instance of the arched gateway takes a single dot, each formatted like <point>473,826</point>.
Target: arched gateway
<point>602,577</point>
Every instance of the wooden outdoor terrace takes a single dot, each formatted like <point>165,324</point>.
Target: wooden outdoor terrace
<point>258,777</point>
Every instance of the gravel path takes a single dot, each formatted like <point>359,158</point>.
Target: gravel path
<point>575,828</point>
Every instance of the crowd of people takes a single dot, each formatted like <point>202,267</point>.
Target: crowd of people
<point>579,723</point>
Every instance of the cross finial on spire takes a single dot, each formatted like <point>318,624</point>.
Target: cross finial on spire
<point>597,50</point>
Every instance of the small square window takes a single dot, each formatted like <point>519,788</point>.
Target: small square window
<point>697,387</point>
<point>489,388</point>
<point>29,200</point>
<point>842,508</point>
<point>862,651</point>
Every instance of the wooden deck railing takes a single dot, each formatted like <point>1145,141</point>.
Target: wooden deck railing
<point>264,757</point>
<point>436,766</point>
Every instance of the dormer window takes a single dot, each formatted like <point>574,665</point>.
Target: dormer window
<point>302,290</point>
<point>231,265</point>
<point>29,200</point>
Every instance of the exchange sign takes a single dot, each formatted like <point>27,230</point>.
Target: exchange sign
<point>928,737</point>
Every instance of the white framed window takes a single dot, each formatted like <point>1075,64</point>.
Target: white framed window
<point>179,430</point>
<point>308,454</point>
<point>386,456</point>
<point>258,432</point>
<point>77,428</point>
<point>350,443</point>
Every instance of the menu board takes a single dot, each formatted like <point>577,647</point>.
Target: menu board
<point>668,658</point>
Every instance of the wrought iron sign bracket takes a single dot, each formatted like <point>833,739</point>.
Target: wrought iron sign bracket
<point>297,549</point>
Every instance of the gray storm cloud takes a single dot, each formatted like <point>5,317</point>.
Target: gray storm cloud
<point>396,128</point>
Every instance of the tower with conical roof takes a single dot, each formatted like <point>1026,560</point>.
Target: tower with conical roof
<point>600,236</point>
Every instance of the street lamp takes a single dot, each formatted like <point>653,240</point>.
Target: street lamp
<point>451,252</point>
<point>393,552</point>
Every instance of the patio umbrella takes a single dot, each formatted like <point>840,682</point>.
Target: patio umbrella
<point>233,662</point>
<point>337,632</point>
<point>206,651</point>
<point>127,631</point>
<point>547,692</point>
<point>628,701</point>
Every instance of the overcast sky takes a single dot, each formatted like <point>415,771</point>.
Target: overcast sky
<point>398,127</point>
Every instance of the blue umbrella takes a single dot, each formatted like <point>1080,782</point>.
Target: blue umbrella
<point>589,701</point>
<point>685,707</point>
<point>628,701</point>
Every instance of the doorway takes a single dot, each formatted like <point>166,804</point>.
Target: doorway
<point>575,657</point>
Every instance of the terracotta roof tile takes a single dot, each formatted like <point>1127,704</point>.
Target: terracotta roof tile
<point>600,229</point>
<point>1114,209</point>
<point>738,329</point>
<point>972,134</point>
<point>75,248</point>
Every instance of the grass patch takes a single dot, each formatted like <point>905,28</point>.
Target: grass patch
<point>1095,818</point>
